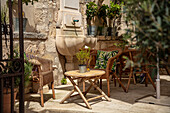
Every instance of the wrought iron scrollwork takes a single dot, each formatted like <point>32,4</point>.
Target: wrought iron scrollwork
<point>10,67</point>
<point>2,67</point>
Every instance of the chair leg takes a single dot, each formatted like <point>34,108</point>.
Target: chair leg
<point>114,79</point>
<point>100,83</point>
<point>134,80</point>
<point>128,82</point>
<point>120,83</point>
<point>167,70</point>
<point>108,87</point>
<point>120,76</point>
<point>52,86</point>
<point>151,80</point>
<point>146,80</point>
<point>42,98</point>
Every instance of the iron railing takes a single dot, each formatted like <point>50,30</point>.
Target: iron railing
<point>11,67</point>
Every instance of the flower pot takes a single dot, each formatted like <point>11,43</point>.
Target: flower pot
<point>101,31</point>
<point>7,99</point>
<point>92,30</point>
<point>82,68</point>
<point>16,24</point>
<point>110,31</point>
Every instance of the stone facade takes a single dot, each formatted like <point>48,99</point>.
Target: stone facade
<point>40,36</point>
<point>40,33</point>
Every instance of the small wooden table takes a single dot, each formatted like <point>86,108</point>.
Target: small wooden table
<point>92,74</point>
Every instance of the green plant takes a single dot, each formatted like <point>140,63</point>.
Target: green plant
<point>27,69</point>
<point>102,13</point>
<point>64,81</point>
<point>4,14</point>
<point>14,66</point>
<point>114,10</point>
<point>83,56</point>
<point>91,11</point>
<point>123,43</point>
<point>151,22</point>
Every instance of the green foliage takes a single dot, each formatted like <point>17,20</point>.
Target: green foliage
<point>91,10</point>
<point>114,10</point>
<point>4,14</point>
<point>64,81</point>
<point>27,69</point>
<point>151,22</point>
<point>83,56</point>
<point>102,13</point>
<point>123,42</point>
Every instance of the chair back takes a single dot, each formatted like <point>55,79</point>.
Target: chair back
<point>46,64</point>
<point>110,62</point>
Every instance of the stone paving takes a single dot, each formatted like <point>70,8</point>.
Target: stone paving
<point>121,102</point>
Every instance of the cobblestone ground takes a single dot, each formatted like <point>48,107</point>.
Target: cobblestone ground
<point>121,102</point>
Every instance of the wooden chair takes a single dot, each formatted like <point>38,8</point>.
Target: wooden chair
<point>43,74</point>
<point>108,68</point>
<point>142,69</point>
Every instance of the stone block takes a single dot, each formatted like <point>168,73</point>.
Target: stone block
<point>71,4</point>
<point>38,5</point>
<point>41,48</point>
<point>50,45</point>
<point>69,66</point>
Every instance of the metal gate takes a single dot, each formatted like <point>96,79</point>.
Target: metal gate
<point>11,67</point>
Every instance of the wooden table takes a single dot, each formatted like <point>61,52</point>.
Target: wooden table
<point>92,74</point>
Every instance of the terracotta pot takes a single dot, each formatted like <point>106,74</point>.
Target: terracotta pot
<point>7,99</point>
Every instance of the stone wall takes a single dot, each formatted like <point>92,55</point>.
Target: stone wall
<point>40,33</point>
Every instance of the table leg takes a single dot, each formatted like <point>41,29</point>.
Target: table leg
<point>67,96</point>
<point>104,95</point>
<point>84,87</point>
<point>88,89</point>
<point>82,96</point>
<point>79,91</point>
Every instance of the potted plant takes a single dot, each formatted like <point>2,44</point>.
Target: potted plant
<point>16,19</point>
<point>63,81</point>
<point>113,12</point>
<point>91,13</point>
<point>7,81</point>
<point>83,57</point>
<point>102,14</point>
